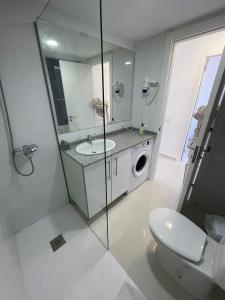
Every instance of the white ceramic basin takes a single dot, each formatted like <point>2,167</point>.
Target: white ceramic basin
<point>95,147</point>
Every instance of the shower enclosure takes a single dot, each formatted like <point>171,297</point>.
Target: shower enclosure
<point>75,67</point>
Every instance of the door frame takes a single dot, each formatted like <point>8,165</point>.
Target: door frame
<point>188,31</point>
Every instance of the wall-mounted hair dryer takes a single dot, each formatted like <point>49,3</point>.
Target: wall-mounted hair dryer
<point>150,87</point>
<point>148,84</point>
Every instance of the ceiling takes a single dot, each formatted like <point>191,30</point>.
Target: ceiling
<point>134,20</point>
<point>20,11</point>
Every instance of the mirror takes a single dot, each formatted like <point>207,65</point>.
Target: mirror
<point>73,61</point>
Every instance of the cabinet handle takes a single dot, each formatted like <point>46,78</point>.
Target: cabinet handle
<point>116,165</point>
<point>109,170</point>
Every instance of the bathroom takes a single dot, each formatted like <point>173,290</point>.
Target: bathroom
<point>92,89</point>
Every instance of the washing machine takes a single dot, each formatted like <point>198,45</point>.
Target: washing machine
<point>140,163</point>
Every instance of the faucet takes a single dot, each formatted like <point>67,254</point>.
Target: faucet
<point>27,150</point>
<point>90,138</point>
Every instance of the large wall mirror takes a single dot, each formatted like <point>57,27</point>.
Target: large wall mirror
<point>73,62</point>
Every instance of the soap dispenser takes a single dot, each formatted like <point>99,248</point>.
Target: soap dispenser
<point>142,129</point>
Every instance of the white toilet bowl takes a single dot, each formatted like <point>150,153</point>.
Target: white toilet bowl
<point>195,260</point>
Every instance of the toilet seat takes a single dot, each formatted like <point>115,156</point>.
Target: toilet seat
<point>177,233</point>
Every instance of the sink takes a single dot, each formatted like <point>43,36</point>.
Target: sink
<point>95,147</point>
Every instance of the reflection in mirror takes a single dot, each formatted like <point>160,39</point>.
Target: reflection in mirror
<point>73,61</point>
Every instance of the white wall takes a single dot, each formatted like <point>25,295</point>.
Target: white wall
<point>189,58</point>
<point>26,200</point>
<point>149,58</point>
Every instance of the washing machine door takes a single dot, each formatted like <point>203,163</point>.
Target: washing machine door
<point>141,163</point>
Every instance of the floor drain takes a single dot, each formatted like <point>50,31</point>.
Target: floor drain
<point>57,242</point>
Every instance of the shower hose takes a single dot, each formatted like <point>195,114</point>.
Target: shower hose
<point>12,149</point>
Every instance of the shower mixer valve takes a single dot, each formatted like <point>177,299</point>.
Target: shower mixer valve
<point>27,150</point>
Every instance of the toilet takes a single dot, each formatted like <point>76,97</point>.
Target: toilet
<point>191,257</point>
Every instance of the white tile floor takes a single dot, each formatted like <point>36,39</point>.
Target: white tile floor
<point>82,269</point>
<point>131,242</point>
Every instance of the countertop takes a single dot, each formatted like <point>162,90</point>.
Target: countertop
<point>124,139</point>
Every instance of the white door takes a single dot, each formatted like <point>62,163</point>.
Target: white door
<point>120,173</point>
<point>95,185</point>
<point>77,86</point>
<point>206,134</point>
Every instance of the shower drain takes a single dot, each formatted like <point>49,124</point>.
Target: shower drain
<point>57,242</point>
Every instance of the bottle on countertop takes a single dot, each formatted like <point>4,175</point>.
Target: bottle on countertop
<point>142,129</point>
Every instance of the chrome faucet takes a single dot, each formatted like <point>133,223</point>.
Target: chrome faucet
<point>27,150</point>
<point>90,138</point>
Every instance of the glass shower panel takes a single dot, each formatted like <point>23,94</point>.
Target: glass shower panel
<point>72,59</point>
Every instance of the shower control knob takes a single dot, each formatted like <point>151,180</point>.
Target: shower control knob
<point>28,150</point>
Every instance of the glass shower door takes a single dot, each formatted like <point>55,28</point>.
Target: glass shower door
<point>73,63</point>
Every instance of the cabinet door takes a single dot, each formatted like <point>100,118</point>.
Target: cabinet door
<point>95,185</point>
<point>121,166</point>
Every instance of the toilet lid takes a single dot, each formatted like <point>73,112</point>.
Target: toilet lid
<point>177,233</point>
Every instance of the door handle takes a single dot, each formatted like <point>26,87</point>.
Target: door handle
<point>204,151</point>
<point>116,165</point>
<point>195,155</point>
<point>109,169</point>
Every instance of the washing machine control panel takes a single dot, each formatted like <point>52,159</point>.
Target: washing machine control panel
<point>147,145</point>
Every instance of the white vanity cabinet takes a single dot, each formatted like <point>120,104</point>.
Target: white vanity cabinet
<point>120,173</point>
<point>86,184</point>
<point>94,177</point>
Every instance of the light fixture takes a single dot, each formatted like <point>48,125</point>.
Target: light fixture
<point>52,43</point>
<point>128,63</point>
